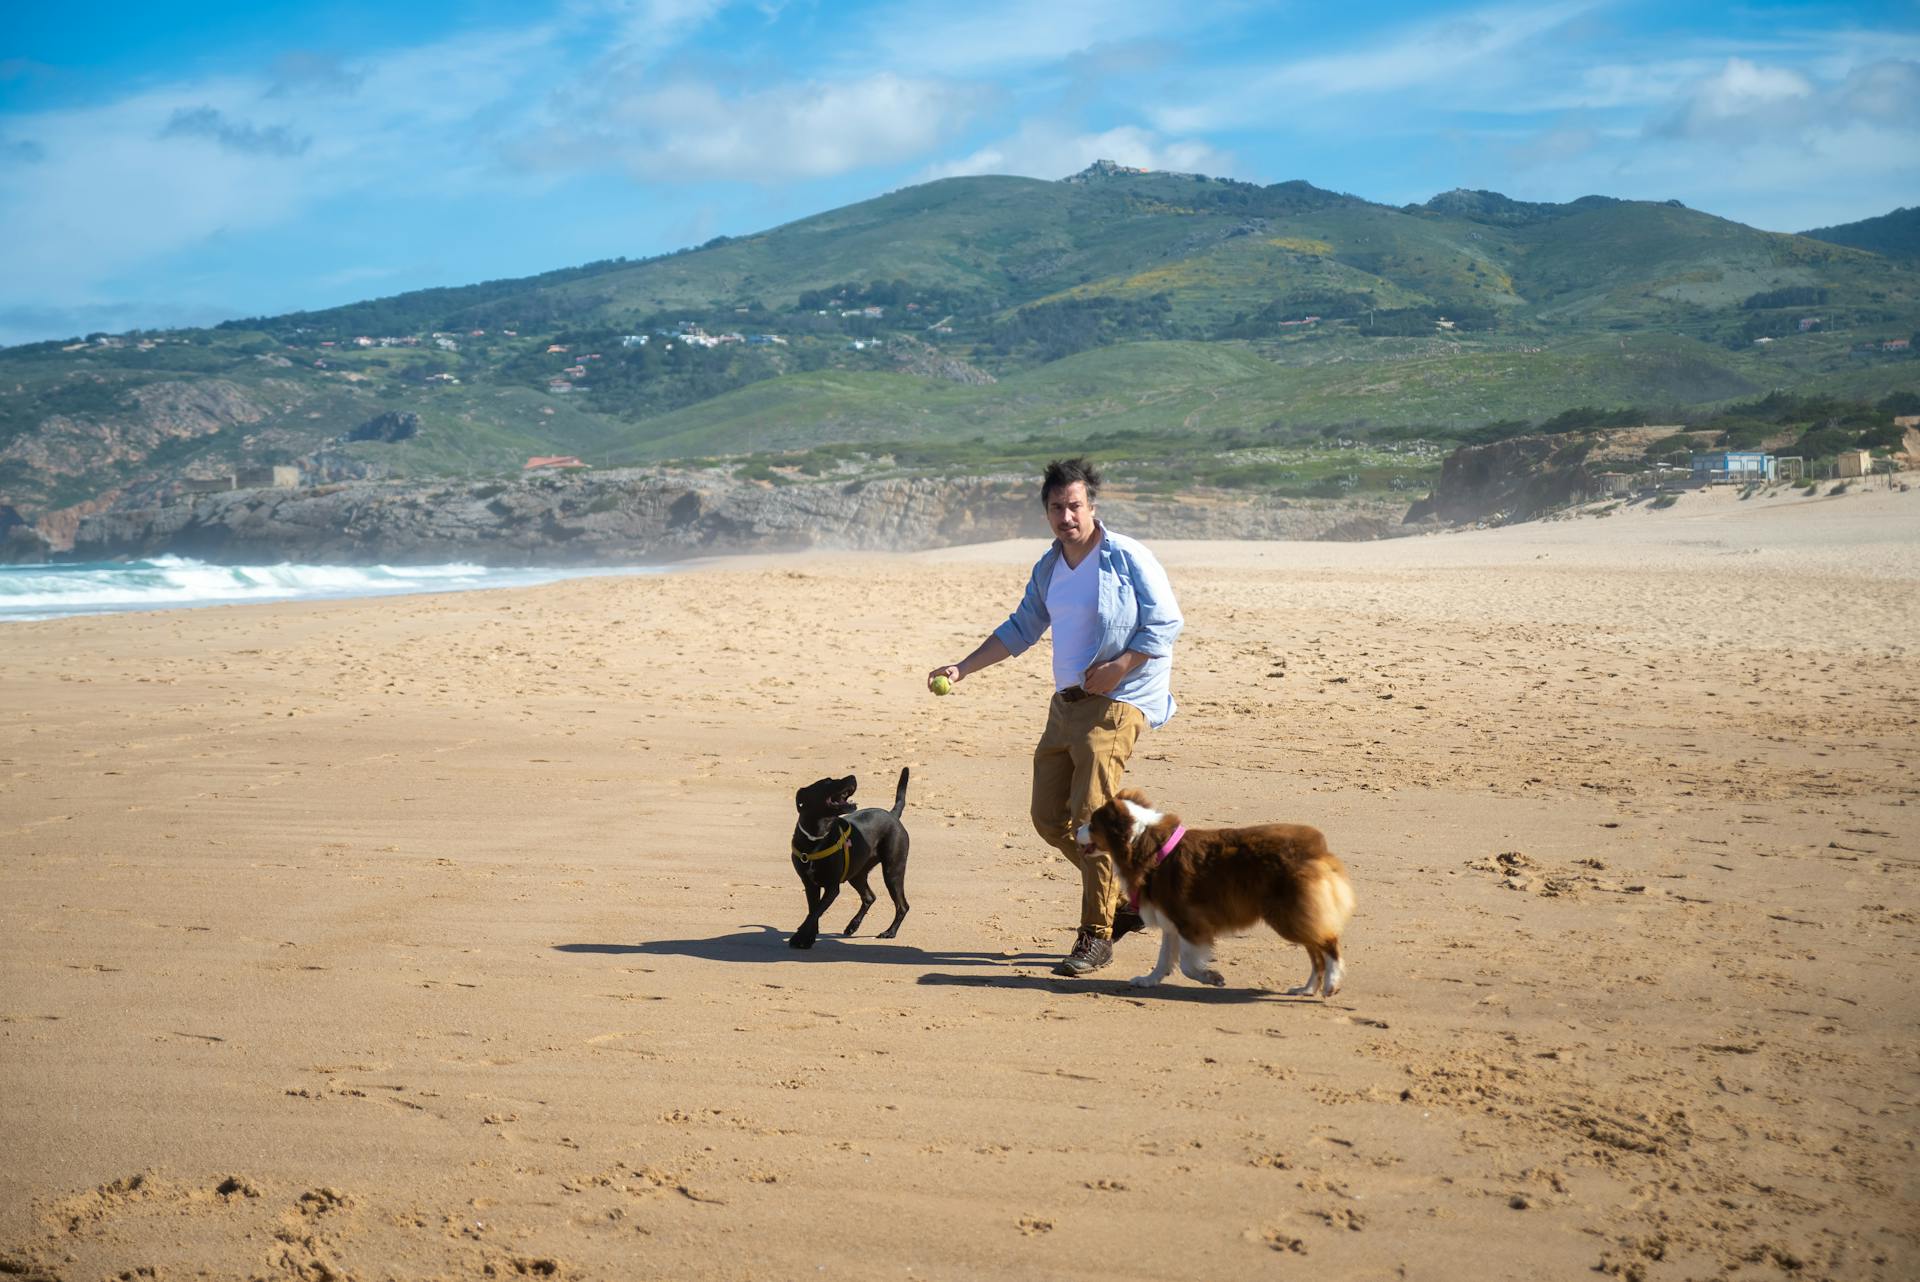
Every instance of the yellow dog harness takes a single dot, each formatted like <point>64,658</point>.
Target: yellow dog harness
<point>839,842</point>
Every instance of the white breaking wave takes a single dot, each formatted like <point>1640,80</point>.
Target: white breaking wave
<point>170,582</point>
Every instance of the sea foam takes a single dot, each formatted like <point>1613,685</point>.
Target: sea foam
<point>169,582</point>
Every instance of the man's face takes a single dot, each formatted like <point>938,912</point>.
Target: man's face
<point>1070,513</point>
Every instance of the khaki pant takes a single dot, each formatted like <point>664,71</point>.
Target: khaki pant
<point>1077,768</point>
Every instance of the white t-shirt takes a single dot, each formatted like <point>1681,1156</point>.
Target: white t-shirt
<point>1073,599</point>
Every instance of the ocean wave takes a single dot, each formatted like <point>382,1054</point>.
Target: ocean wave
<point>172,582</point>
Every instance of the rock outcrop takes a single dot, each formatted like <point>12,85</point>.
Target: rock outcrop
<point>387,428</point>
<point>596,518</point>
<point>646,516</point>
<point>153,416</point>
<point>59,526</point>
<point>1511,480</point>
<point>911,356</point>
<point>20,543</point>
<point>329,464</point>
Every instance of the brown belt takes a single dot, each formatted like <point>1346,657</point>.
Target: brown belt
<point>1074,694</point>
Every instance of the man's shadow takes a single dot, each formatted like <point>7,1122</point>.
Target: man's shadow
<point>762,943</point>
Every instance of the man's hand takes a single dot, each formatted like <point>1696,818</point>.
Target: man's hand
<point>985,655</point>
<point>1101,678</point>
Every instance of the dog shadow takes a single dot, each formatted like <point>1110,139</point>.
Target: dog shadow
<point>1190,993</point>
<point>762,943</point>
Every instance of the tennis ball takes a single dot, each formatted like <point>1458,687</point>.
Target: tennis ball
<point>942,686</point>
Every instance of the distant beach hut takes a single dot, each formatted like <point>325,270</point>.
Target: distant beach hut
<point>1732,467</point>
<point>1612,484</point>
<point>1853,463</point>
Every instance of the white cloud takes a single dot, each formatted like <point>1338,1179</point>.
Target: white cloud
<point>935,37</point>
<point>1612,85</point>
<point>1833,54</point>
<point>1041,149</point>
<point>1887,90</point>
<point>689,130</point>
<point>1740,97</point>
<point>1462,57</point>
<point>1813,178</point>
<point>1760,151</point>
<point>122,184</point>
<point>649,26</point>
<point>127,182</point>
<point>112,191</point>
<point>1746,103</point>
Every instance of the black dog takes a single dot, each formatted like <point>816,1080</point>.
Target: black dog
<point>834,843</point>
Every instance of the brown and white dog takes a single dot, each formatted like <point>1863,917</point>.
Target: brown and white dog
<point>1197,884</point>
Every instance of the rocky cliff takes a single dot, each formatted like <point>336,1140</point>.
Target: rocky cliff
<point>153,417</point>
<point>1511,480</point>
<point>20,543</point>
<point>651,516</point>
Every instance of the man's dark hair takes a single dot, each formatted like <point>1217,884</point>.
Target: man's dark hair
<point>1063,472</point>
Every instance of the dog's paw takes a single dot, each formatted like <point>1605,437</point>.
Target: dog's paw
<point>1212,977</point>
<point>1145,981</point>
<point>1304,990</point>
<point>886,934</point>
<point>1330,981</point>
<point>800,941</point>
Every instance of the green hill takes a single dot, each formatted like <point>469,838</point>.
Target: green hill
<point>1894,235</point>
<point>1178,388</point>
<point>974,320</point>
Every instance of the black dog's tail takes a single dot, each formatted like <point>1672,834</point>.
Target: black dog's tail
<point>900,794</point>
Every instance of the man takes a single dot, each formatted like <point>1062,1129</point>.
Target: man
<point>1114,620</point>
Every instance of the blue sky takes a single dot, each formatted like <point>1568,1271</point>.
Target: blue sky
<point>166,163</point>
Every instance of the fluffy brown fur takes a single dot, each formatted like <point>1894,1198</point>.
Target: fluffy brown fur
<point>1222,880</point>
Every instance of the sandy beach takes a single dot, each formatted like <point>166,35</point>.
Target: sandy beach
<point>443,937</point>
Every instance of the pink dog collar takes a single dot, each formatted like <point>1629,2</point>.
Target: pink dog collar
<point>1166,848</point>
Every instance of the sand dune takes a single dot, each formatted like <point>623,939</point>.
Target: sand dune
<point>444,936</point>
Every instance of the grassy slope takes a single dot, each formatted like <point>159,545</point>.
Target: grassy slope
<point>1004,235</point>
<point>1652,263</point>
<point>1628,264</point>
<point>1130,386</point>
<point>1893,235</point>
<point>1191,388</point>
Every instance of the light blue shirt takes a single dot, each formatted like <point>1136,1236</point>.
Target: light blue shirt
<point>1137,612</point>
